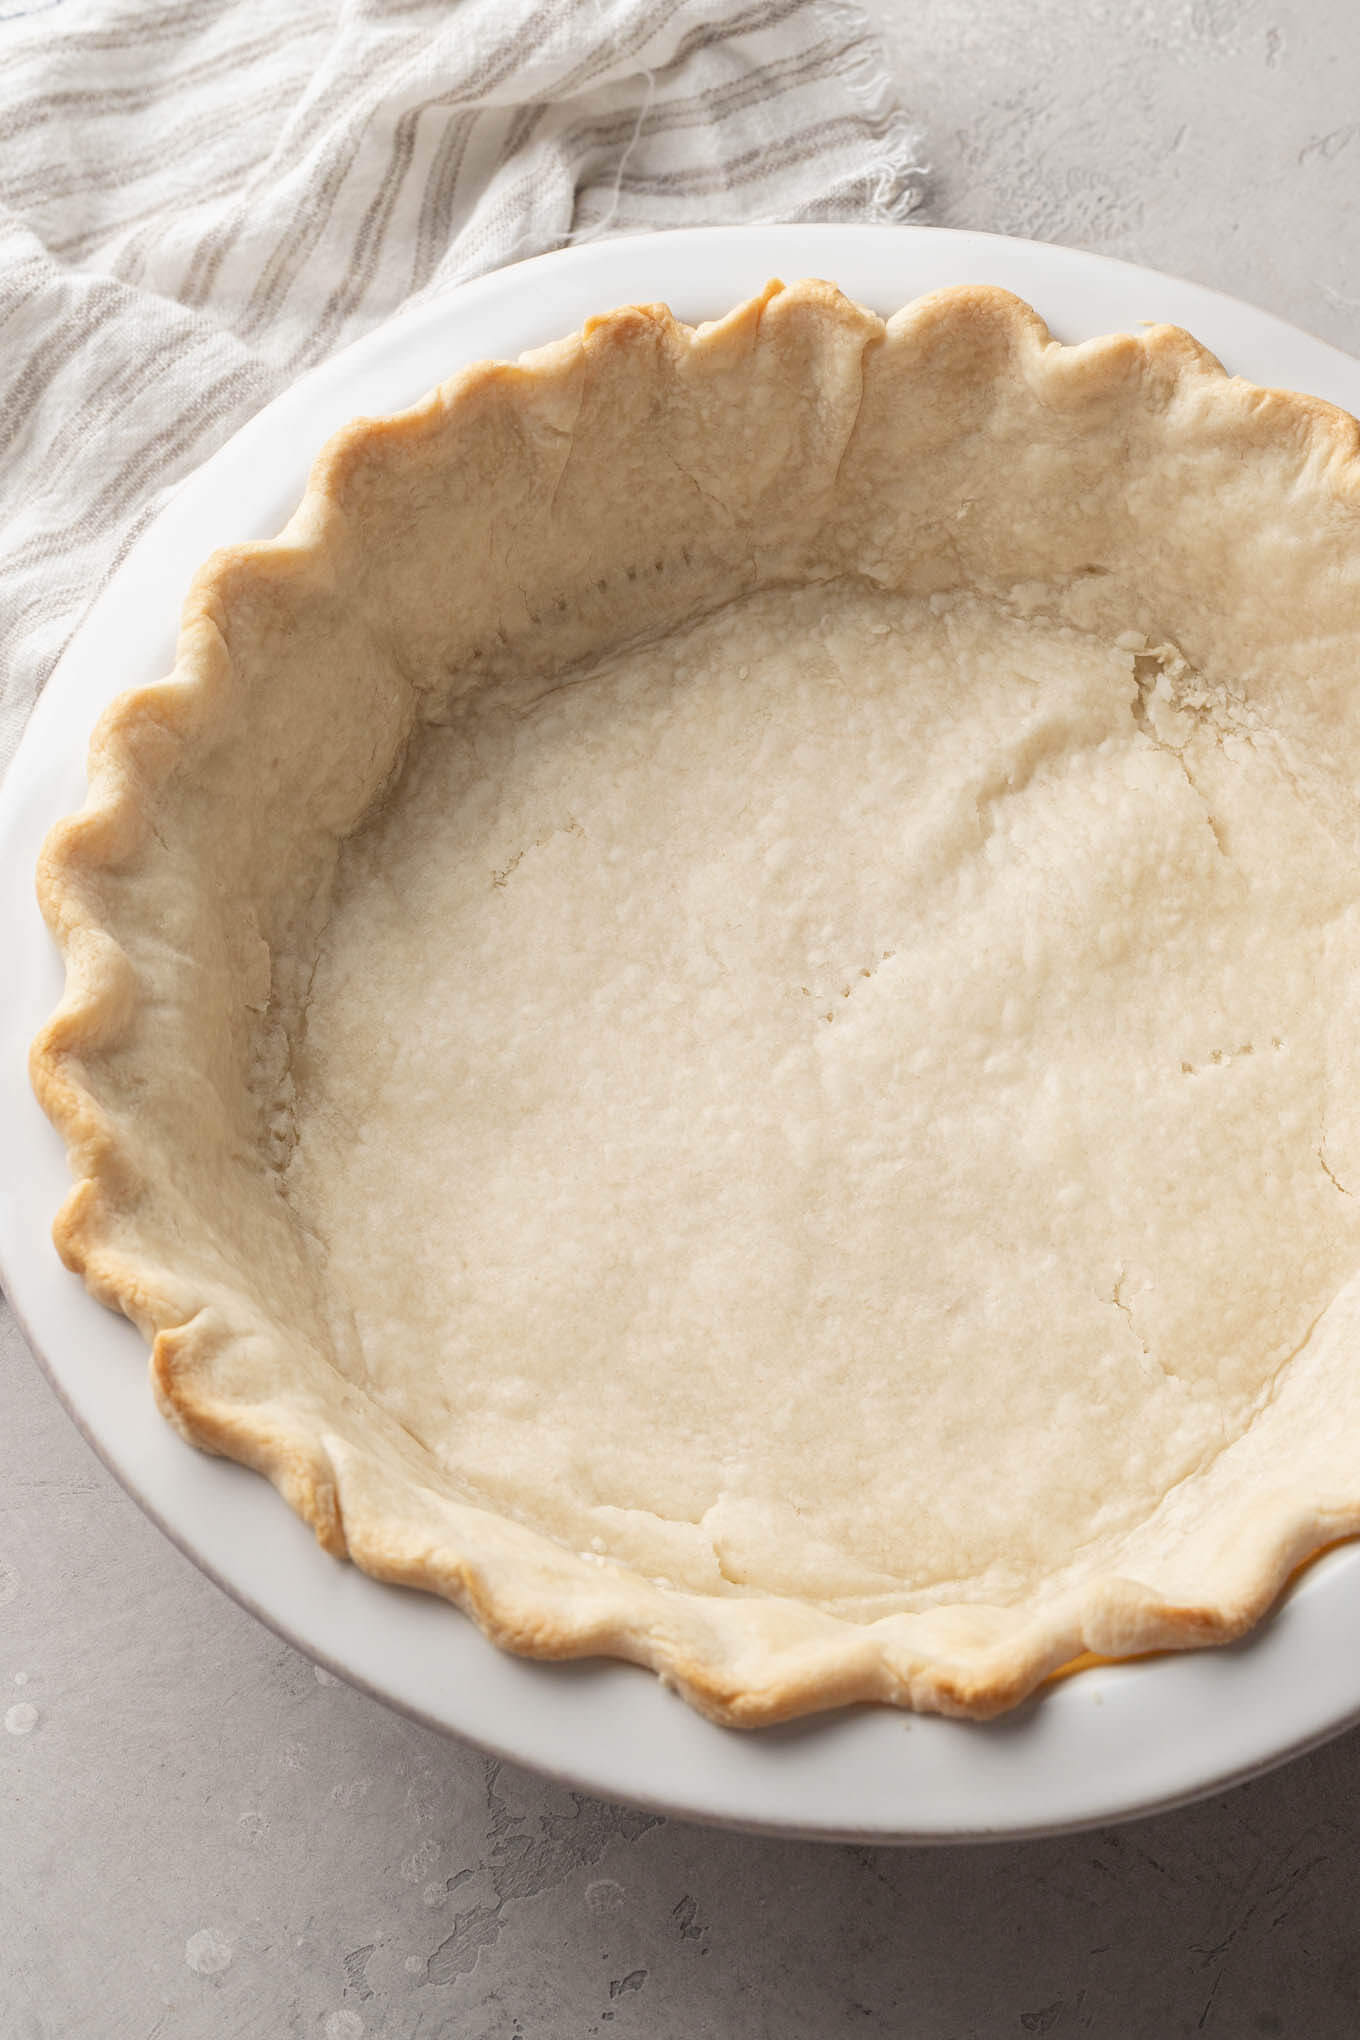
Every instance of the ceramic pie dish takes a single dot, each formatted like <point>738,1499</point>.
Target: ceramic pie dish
<point>1121,1738</point>
<point>715,1013</point>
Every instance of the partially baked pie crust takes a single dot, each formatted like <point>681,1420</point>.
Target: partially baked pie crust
<point>718,1011</point>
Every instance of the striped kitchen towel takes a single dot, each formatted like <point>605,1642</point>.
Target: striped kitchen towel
<point>200,199</point>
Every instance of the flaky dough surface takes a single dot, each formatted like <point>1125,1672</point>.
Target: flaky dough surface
<point>718,1011</point>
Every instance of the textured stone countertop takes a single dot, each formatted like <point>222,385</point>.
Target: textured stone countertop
<point>201,1838</point>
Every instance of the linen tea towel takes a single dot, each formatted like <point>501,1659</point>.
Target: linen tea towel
<point>199,200</point>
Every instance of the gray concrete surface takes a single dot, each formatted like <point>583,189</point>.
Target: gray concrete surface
<point>201,1839</point>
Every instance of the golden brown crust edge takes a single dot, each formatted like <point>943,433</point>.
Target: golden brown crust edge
<point>744,1663</point>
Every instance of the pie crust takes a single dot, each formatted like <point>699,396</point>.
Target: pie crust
<point>717,1013</point>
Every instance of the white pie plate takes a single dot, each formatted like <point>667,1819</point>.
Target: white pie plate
<point>1112,1742</point>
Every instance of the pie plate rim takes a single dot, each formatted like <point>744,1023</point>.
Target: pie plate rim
<point>1110,1743</point>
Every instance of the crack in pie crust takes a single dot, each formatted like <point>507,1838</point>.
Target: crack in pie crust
<point>717,1012</point>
